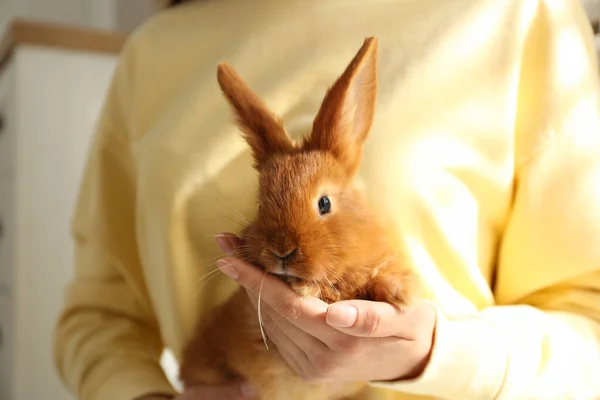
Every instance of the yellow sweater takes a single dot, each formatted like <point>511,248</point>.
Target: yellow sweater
<point>484,154</point>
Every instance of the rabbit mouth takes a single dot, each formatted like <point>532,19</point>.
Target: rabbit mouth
<point>287,277</point>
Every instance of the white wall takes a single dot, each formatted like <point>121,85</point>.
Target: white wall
<point>592,7</point>
<point>124,15</point>
<point>130,13</point>
<point>104,14</point>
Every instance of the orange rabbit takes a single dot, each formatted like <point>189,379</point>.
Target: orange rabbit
<point>314,231</point>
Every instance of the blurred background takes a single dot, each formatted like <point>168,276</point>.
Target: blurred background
<point>122,15</point>
<point>56,61</point>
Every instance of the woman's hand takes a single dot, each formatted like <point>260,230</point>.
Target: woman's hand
<point>345,341</point>
<point>227,392</point>
<point>234,391</point>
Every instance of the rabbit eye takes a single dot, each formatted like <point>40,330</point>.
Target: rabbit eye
<point>324,205</point>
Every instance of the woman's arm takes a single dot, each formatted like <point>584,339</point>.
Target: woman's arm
<point>542,340</point>
<point>107,342</point>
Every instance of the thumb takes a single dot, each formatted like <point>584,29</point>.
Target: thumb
<point>372,319</point>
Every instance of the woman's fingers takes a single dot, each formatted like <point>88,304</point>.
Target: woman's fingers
<point>232,391</point>
<point>289,335</point>
<point>288,348</point>
<point>307,313</point>
<point>228,242</point>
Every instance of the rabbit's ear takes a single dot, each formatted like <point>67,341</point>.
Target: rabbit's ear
<point>346,115</point>
<point>262,129</point>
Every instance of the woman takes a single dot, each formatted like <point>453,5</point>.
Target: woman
<point>484,155</point>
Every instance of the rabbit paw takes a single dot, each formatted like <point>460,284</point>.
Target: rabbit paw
<point>390,288</point>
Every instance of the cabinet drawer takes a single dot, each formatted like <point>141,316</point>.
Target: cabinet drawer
<point>7,236</point>
<point>7,126</point>
<point>6,349</point>
<point>7,144</point>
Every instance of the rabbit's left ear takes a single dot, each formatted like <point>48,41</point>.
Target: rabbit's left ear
<point>262,129</point>
<point>346,115</point>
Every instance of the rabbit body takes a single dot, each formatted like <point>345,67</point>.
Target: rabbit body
<point>230,347</point>
<point>314,231</point>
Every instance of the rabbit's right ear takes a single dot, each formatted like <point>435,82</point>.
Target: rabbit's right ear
<point>262,129</point>
<point>346,114</point>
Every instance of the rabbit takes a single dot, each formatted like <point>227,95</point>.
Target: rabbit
<point>314,231</point>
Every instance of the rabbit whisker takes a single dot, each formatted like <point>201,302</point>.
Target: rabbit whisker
<point>325,235</point>
<point>210,259</point>
<point>334,276</point>
<point>318,229</point>
<point>244,226</point>
<point>211,275</point>
<point>238,213</point>
<point>219,201</point>
<point>260,323</point>
<point>332,286</point>
<point>214,271</point>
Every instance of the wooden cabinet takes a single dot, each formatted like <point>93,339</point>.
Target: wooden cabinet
<point>53,81</point>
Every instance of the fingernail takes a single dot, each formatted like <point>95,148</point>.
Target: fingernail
<point>228,269</point>
<point>248,391</point>
<point>341,315</point>
<point>225,244</point>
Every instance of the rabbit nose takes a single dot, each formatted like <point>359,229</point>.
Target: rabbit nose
<point>286,256</point>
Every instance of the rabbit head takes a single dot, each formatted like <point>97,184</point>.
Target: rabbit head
<point>313,225</point>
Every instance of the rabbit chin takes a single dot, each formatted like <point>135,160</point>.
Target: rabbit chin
<point>300,285</point>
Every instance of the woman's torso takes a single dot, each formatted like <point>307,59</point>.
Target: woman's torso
<point>439,162</point>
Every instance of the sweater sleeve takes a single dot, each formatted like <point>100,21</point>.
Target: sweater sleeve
<point>541,340</point>
<point>107,344</point>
